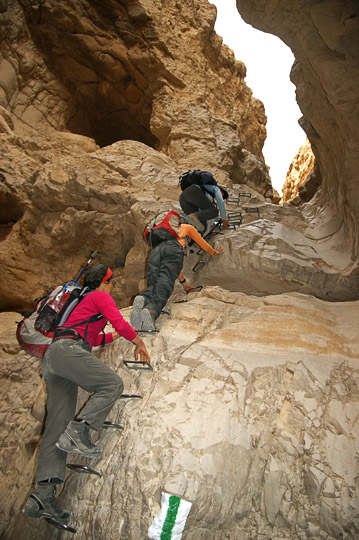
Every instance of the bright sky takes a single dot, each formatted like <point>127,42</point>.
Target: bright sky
<point>268,61</point>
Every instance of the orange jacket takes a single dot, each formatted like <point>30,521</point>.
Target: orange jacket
<point>188,230</point>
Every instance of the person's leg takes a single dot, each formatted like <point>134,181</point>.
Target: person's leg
<point>85,370</point>
<point>42,503</point>
<point>153,270</point>
<point>51,465</point>
<point>194,201</point>
<point>169,262</point>
<point>186,203</point>
<point>61,408</point>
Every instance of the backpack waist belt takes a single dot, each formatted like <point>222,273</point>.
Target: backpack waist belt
<point>65,332</point>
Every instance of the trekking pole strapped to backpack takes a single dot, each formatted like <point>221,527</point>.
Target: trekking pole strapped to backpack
<point>35,331</point>
<point>91,258</point>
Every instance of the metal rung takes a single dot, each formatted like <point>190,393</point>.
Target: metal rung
<point>212,230</point>
<point>108,425</point>
<point>235,224</point>
<point>60,525</point>
<point>236,199</point>
<point>138,364</point>
<point>130,396</point>
<point>208,237</point>
<point>252,210</point>
<point>83,469</point>
<point>234,215</point>
<point>198,266</point>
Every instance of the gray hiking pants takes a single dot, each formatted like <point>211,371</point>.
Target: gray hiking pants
<point>65,367</point>
<point>164,265</point>
<point>194,201</point>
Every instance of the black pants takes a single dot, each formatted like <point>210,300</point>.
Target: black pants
<point>163,268</point>
<point>194,201</point>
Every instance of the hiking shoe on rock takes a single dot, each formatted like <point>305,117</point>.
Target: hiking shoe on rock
<point>137,306</point>
<point>76,439</point>
<point>42,503</point>
<point>148,319</point>
<point>193,219</point>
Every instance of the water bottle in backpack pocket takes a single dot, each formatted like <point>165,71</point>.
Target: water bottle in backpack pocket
<point>36,330</point>
<point>48,316</point>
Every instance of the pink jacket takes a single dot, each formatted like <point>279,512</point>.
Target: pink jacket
<point>100,302</point>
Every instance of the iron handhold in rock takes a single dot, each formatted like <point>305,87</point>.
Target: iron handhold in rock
<point>198,266</point>
<point>84,469</point>
<point>59,525</point>
<point>108,425</point>
<point>138,364</point>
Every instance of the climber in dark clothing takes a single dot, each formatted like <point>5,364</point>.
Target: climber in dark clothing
<point>194,201</point>
<point>164,265</point>
<point>197,200</point>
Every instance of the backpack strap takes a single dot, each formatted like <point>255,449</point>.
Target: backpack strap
<point>71,332</point>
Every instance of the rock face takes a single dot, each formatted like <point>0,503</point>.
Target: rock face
<point>251,411</point>
<point>300,168</point>
<point>324,39</point>
<point>58,212</point>
<point>123,70</point>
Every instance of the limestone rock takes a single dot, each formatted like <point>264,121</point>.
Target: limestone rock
<point>250,414</point>
<point>300,169</point>
<point>20,389</point>
<point>273,251</point>
<point>324,39</point>
<point>253,172</point>
<point>130,70</point>
<point>59,206</point>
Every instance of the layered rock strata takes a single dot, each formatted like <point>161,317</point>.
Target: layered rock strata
<point>251,413</point>
<point>300,169</point>
<point>79,202</point>
<point>124,70</point>
<point>324,39</point>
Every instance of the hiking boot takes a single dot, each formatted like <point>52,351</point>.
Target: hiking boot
<point>76,438</point>
<point>193,219</point>
<point>137,306</point>
<point>148,318</point>
<point>42,503</point>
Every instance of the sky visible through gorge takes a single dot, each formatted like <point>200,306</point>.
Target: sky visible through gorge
<point>268,61</point>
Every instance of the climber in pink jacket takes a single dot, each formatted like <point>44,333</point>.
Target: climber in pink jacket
<point>67,364</point>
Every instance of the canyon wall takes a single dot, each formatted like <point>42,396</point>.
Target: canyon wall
<point>124,70</point>
<point>250,413</point>
<point>251,410</point>
<point>297,181</point>
<point>323,36</point>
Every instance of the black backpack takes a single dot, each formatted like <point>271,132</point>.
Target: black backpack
<point>196,177</point>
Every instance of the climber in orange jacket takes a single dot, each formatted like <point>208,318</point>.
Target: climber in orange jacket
<point>164,267</point>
